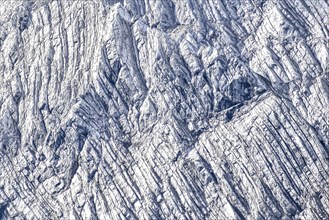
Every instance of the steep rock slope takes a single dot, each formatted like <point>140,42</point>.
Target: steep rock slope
<point>147,109</point>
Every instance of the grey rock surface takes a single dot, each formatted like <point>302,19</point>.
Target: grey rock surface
<point>164,109</point>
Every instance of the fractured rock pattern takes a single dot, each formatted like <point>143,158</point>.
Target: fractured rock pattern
<point>164,109</point>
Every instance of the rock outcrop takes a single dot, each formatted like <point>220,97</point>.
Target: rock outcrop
<point>164,109</point>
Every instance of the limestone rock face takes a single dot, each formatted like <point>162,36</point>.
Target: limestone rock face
<point>164,109</point>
